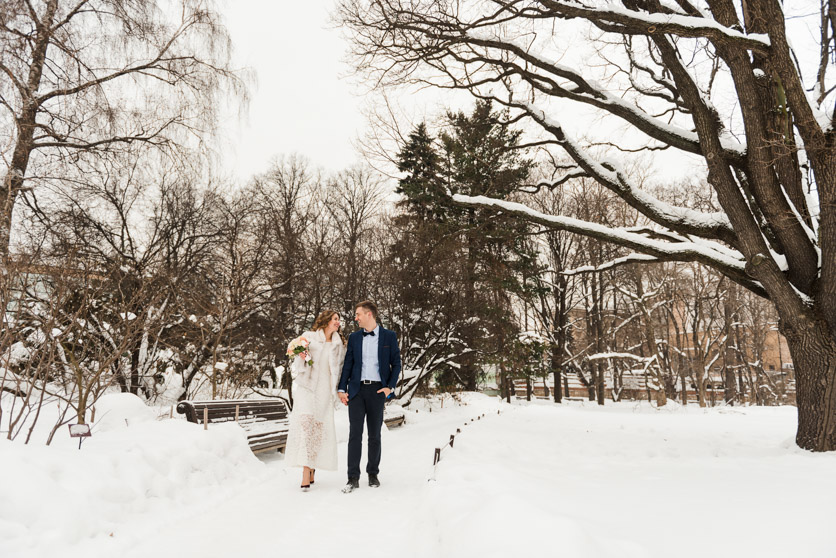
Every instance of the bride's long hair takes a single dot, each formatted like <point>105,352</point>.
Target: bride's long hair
<point>321,322</point>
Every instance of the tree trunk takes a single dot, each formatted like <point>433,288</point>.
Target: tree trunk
<point>559,349</point>
<point>697,360</point>
<point>699,374</point>
<point>468,365</point>
<point>598,327</point>
<point>617,383</point>
<point>134,387</point>
<point>729,386</point>
<point>661,394</point>
<point>590,386</point>
<point>558,374</point>
<point>600,383</point>
<point>681,365</point>
<point>506,387</point>
<point>26,124</point>
<point>813,353</point>
<point>729,355</point>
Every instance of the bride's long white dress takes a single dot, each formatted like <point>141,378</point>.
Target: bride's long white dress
<point>311,437</point>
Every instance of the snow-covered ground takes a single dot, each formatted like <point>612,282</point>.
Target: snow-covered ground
<point>577,480</point>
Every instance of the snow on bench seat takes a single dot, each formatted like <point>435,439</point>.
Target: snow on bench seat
<point>264,420</point>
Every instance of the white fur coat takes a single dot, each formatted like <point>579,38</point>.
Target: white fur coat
<point>311,437</point>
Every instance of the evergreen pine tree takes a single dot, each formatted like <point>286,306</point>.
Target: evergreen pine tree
<point>421,186</point>
<point>487,254</point>
<point>483,157</point>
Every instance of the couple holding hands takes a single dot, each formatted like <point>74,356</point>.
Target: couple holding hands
<point>361,373</point>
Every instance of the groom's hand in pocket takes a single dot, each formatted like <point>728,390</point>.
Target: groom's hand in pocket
<point>385,391</point>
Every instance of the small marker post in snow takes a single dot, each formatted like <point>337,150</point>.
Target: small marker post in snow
<point>80,431</point>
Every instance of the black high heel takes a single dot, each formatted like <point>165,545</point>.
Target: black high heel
<point>312,475</point>
<point>305,487</point>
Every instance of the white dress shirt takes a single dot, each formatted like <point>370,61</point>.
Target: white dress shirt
<point>370,369</point>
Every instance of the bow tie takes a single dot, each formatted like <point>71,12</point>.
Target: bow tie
<point>368,333</point>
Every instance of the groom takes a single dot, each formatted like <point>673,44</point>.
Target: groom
<point>370,374</point>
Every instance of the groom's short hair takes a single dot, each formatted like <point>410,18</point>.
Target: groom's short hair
<point>368,305</point>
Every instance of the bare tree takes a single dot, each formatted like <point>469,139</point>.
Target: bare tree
<point>83,79</point>
<point>697,310</point>
<point>69,339</point>
<point>156,236</point>
<point>238,291</point>
<point>776,232</point>
<point>354,203</point>
<point>555,300</point>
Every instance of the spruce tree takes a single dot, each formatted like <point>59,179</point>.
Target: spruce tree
<point>478,154</point>
<point>421,186</point>
<point>483,157</point>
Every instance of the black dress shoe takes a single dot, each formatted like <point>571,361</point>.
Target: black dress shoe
<point>351,486</point>
<point>374,482</point>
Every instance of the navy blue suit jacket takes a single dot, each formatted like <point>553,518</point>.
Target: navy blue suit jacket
<point>388,355</point>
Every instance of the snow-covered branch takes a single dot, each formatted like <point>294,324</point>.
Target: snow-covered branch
<point>616,18</point>
<point>628,356</point>
<point>703,251</point>
<point>679,219</point>
<point>628,259</point>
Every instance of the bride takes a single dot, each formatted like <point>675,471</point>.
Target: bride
<point>311,437</point>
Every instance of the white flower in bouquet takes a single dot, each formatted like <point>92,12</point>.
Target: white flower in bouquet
<point>299,347</point>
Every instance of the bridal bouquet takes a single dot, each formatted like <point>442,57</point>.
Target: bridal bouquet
<point>299,346</point>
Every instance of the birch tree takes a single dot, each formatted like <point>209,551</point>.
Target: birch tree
<point>83,79</point>
<point>768,155</point>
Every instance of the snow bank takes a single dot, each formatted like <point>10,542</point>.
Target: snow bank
<point>576,480</point>
<point>630,480</point>
<point>62,501</point>
<point>117,411</point>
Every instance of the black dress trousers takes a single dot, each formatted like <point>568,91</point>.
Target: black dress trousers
<point>366,406</point>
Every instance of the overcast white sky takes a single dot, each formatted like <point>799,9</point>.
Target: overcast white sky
<point>299,102</point>
<point>304,99</point>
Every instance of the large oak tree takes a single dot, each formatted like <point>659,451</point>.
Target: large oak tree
<point>773,174</point>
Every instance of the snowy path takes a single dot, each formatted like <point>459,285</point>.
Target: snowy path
<point>620,483</point>
<point>576,481</point>
<point>272,515</point>
<point>587,481</point>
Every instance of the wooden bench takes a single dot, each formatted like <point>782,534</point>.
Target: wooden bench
<point>394,418</point>
<point>264,420</point>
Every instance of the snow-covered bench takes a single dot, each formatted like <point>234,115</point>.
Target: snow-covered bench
<point>264,420</point>
<point>393,415</point>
